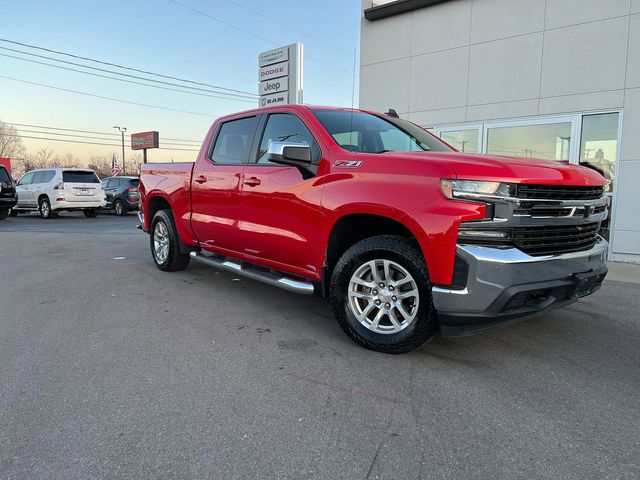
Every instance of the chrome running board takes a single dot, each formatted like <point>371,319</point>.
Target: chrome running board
<point>269,277</point>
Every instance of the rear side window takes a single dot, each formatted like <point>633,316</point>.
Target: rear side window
<point>79,177</point>
<point>4,175</point>
<point>39,177</point>
<point>113,183</point>
<point>233,142</point>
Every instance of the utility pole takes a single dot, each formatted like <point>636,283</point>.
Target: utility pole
<point>122,130</point>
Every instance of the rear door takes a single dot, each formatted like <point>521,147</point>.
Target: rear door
<point>111,189</point>
<point>24,188</point>
<point>279,207</point>
<point>215,185</point>
<point>81,186</point>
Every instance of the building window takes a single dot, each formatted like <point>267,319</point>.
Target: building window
<point>549,141</point>
<point>462,140</point>
<point>599,144</point>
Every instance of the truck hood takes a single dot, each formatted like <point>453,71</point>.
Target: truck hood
<point>509,169</point>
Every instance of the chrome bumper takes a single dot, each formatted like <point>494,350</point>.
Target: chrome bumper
<point>505,284</point>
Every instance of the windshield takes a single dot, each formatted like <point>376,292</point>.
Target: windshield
<point>365,132</point>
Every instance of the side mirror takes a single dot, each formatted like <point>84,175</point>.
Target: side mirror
<point>296,154</point>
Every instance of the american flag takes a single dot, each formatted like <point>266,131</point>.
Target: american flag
<point>115,169</point>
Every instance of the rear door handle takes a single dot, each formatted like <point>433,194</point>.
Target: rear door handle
<point>200,179</point>
<point>252,181</point>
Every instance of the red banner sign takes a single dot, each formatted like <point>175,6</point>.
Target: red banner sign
<point>140,141</point>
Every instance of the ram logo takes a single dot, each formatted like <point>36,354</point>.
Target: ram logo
<point>347,163</point>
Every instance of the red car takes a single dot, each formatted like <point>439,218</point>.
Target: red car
<point>406,236</point>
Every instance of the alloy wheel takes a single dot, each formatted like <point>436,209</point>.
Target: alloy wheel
<point>383,296</point>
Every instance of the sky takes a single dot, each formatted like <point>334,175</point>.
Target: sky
<point>215,42</point>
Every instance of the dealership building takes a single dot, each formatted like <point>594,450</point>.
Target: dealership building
<point>553,79</point>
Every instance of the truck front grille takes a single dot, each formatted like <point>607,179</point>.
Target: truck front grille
<point>552,240</point>
<point>558,192</point>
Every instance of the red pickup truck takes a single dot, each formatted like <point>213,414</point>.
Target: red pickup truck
<point>405,235</point>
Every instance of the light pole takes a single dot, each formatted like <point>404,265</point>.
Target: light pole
<point>122,130</point>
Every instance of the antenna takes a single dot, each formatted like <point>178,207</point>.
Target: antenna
<point>392,113</point>
<point>353,96</point>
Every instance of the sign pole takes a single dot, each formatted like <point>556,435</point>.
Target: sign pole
<point>144,155</point>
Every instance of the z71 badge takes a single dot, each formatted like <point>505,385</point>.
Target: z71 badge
<point>347,163</point>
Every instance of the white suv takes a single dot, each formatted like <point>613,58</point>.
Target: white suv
<point>51,190</point>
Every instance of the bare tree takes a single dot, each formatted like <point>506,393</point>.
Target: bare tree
<point>101,165</point>
<point>10,143</point>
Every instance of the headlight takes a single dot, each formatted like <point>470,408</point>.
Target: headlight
<point>452,189</point>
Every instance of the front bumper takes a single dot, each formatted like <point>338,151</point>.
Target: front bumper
<point>504,285</point>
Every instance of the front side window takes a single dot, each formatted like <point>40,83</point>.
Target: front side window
<point>27,179</point>
<point>233,142</point>
<point>283,127</point>
<point>365,132</point>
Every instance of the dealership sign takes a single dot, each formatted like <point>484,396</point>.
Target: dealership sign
<point>144,140</point>
<point>280,75</point>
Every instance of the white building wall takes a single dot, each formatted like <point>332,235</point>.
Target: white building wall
<point>483,60</point>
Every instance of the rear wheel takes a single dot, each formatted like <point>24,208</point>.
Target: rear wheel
<point>90,213</point>
<point>45,208</point>
<point>165,246</point>
<point>4,214</point>
<point>13,212</point>
<point>118,208</point>
<point>381,295</point>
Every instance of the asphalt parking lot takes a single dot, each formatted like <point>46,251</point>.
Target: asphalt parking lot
<point>111,369</point>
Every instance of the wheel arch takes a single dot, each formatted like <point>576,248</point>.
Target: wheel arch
<point>353,227</point>
<point>156,202</point>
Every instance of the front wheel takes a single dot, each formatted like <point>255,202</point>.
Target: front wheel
<point>90,213</point>
<point>4,214</point>
<point>165,246</point>
<point>13,212</point>
<point>381,295</point>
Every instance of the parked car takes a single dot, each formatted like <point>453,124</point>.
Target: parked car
<point>122,194</point>
<point>405,235</point>
<point>8,196</point>
<point>53,190</point>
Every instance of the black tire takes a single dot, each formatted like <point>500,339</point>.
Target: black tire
<point>13,212</point>
<point>44,207</point>
<point>4,214</point>
<point>118,208</point>
<point>90,213</point>
<point>175,259</point>
<point>400,251</point>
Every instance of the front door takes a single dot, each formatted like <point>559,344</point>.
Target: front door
<point>277,222</point>
<point>24,189</point>
<point>110,190</point>
<point>215,186</point>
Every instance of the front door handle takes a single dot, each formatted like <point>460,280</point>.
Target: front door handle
<point>252,181</point>
<point>200,179</point>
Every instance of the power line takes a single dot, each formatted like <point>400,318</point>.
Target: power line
<point>90,143</point>
<point>89,59</point>
<point>90,137</point>
<point>106,98</point>
<point>274,20</point>
<point>112,78</point>
<point>90,131</point>
<point>200,12</point>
